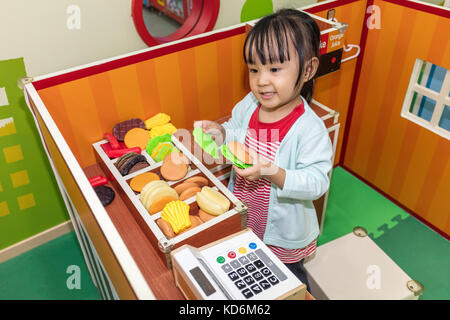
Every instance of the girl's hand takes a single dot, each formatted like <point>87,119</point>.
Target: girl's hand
<point>216,130</point>
<point>262,168</point>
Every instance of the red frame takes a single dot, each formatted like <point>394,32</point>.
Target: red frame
<point>202,18</point>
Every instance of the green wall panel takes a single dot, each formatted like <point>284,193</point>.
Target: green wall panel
<point>30,201</point>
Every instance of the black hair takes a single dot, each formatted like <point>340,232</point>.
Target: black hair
<point>270,38</point>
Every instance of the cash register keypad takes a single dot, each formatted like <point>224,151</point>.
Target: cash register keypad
<point>254,272</point>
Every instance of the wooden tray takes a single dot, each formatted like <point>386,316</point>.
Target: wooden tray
<point>235,219</point>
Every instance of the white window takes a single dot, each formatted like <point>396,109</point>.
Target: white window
<point>3,97</point>
<point>427,100</point>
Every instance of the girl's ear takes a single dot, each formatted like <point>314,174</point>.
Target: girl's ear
<point>311,68</point>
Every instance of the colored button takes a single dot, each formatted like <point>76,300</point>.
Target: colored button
<point>252,245</point>
<point>232,254</point>
<point>220,259</point>
<point>242,250</point>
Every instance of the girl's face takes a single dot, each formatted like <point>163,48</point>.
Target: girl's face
<point>274,84</point>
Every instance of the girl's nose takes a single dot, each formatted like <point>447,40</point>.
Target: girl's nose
<point>263,79</point>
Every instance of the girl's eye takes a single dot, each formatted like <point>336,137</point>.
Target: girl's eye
<point>274,69</point>
<point>253,70</point>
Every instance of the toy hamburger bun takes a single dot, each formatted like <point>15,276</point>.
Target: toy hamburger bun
<point>235,152</point>
<point>212,201</point>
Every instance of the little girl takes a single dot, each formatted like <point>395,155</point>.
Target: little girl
<point>288,142</point>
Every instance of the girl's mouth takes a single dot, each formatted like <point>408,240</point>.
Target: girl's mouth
<point>267,95</point>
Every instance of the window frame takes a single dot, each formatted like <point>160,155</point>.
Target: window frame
<point>442,99</point>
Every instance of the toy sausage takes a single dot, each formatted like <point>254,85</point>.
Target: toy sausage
<point>120,152</point>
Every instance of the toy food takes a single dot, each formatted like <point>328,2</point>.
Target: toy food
<point>140,181</point>
<point>161,151</point>
<point>183,186</point>
<point>195,221</point>
<point>105,194</point>
<point>165,228</point>
<point>212,201</point>
<point>121,129</point>
<point>190,192</point>
<point>206,142</point>
<point>174,167</point>
<point>235,152</point>
<point>204,216</point>
<point>137,137</point>
<point>156,194</point>
<point>157,120</point>
<point>128,161</point>
<point>153,142</point>
<point>116,153</point>
<point>98,181</point>
<point>163,129</point>
<point>168,231</point>
<point>112,140</point>
<point>138,166</point>
<point>176,213</point>
<point>198,180</point>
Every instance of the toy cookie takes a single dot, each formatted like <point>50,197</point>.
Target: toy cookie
<point>137,137</point>
<point>139,182</point>
<point>128,161</point>
<point>105,194</point>
<point>175,166</point>
<point>120,129</point>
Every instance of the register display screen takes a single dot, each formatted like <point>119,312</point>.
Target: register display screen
<point>206,286</point>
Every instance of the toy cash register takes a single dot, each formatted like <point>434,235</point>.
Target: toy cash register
<point>237,267</point>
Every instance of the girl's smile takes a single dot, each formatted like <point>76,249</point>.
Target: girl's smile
<point>274,85</point>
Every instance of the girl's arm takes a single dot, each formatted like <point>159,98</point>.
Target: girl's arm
<point>262,169</point>
<point>309,180</point>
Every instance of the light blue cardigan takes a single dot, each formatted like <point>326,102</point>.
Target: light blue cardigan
<point>305,153</point>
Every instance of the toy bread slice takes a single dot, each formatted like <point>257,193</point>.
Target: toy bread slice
<point>160,203</point>
<point>149,186</point>
<point>205,216</point>
<point>162,129</point>
<point>212,201</point>
<point>157,120</point>
<point>184,186</point>
<point>186,194</point>
<point>198,180</point>
<point>154,195</point>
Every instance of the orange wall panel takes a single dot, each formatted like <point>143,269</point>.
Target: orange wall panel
<point>406,161</point>
<point>334,89</point>
<point>202,82</point>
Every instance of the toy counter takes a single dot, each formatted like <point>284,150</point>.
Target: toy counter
<point>201,77</point>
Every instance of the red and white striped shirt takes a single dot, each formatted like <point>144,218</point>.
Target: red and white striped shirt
<point>265,139</point>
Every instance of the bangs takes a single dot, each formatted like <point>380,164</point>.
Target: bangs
<point>269,42</point>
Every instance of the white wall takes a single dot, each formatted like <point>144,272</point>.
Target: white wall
<point>37,31</point>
